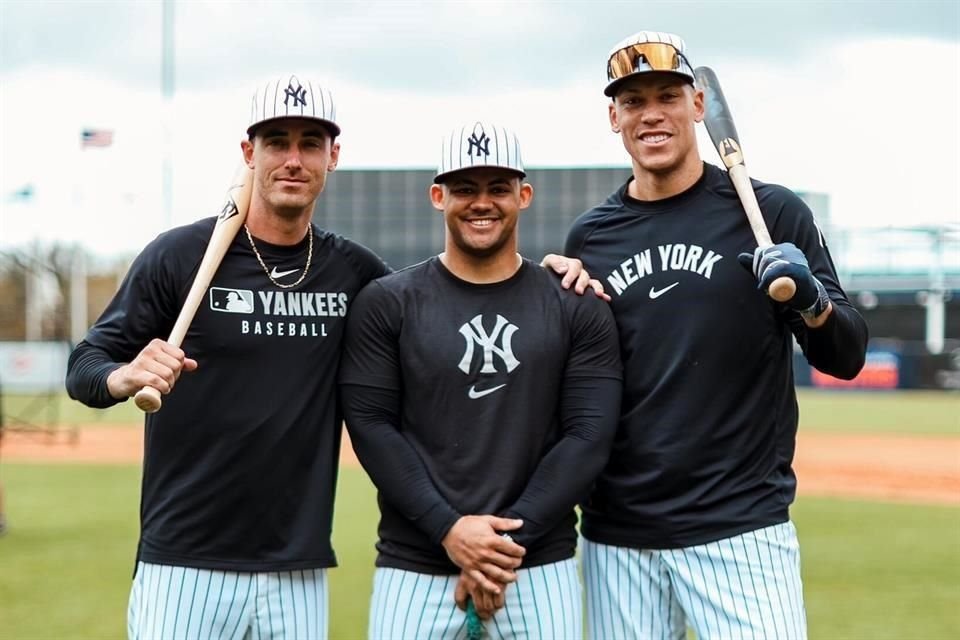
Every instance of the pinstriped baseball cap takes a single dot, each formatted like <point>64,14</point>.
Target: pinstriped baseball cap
<point>290,97</point>
<point>645,52</point>
<point>480,144</point>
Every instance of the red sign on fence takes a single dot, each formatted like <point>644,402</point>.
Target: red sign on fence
<point>880,371</point>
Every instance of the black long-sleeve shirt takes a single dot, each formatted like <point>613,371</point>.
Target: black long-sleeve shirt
<point>708,429</point>
<point>240,463</point>
<point>468,399</point>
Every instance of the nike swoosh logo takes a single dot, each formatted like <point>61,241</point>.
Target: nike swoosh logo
<point>654,294</point>
<point>474,394</point>
<point>279,274</point>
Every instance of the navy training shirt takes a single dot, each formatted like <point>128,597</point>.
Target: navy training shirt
<point>469,399</point>
<point>707,435</point>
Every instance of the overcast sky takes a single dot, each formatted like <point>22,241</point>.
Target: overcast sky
<point>855,99</point>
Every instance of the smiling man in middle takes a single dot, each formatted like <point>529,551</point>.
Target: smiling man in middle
<point>482,399</point>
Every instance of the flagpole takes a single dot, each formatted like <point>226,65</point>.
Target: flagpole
<point>93,140</point>
<point>167,89</point>
<point>78,294</point>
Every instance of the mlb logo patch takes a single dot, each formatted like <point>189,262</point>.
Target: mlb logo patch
<point>231,300</point>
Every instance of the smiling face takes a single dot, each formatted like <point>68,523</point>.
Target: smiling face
<point>655,114</point>
<point>481,207</point>
<point>290,159</point>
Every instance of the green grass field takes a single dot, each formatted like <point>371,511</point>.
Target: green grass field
<point>905,412</point>
<point>871,570</point>
<point>913,412</point>
<point>59,409</point>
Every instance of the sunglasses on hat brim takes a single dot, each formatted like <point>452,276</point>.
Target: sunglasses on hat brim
<point>648,56</point>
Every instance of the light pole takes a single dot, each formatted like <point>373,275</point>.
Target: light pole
<point>935,297</point>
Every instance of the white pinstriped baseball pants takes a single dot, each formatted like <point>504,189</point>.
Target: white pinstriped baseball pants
<point>543,604</point>
<point>183,603</point>
<point>744,587</point>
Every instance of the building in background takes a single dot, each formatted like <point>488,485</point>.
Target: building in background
<point>390,212</point>
<point>906,281</point>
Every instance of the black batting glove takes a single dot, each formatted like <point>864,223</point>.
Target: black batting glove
<point>786,260</point>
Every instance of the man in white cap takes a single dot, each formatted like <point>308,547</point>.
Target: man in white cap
<point>481,398</point>
<point>240,463</point>
<point>689,522</point>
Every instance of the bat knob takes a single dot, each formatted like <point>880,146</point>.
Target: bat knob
<point>781,289</point>
<point>148,400</point>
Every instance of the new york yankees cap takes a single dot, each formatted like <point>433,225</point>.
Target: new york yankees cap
<point>289,96</point>
<point>479,144</point>
<point>645,52</point>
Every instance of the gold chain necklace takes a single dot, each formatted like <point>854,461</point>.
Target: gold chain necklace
<point>267,271</point>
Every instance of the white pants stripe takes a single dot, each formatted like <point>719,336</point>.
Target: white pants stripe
<point>747,586</point>
<point>544,603</point>
<point>184,603</point>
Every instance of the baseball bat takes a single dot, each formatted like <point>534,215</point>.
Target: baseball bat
<point>723,133</point>
<point>231,218</point>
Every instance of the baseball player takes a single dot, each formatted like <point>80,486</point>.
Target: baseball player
<point>482,399</point>
<point>689,522</point>
<point>240,464</point>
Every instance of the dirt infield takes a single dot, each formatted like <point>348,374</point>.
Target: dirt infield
<point>899,468</point>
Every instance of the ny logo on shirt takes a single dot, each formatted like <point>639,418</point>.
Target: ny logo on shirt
<point>474,333</point>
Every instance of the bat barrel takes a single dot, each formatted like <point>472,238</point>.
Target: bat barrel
<point>231,218</point>
<point>723,133</point>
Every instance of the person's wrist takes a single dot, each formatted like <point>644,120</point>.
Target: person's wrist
<point>815,289</point>
<point>815,322</point>
<point>115,385</point>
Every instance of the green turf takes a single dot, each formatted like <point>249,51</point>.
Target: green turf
<point>66,561</point>
<point>917,412</point>
<point>906,412</point>
<point>870,570</point>
<point>354,534</point>
<point>878,571</point>
<point>59,409</point>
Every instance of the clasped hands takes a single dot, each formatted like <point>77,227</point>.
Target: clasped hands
<point>488,560</point>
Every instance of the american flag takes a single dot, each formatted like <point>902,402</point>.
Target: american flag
<point>96,138</point>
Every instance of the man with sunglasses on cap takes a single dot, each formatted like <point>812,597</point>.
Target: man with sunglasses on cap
<point>688,524</point>
<point>482,399</point>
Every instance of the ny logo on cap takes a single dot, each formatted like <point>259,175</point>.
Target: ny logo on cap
<point>482,144</point>
<point>298,93</point>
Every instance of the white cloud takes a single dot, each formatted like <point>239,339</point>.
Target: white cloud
<point>872,123</point>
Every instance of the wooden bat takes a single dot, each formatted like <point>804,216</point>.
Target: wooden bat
<point>229,221</point>
<point>723,133</point>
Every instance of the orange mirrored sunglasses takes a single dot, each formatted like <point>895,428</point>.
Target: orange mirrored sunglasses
<point>648,56</point>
